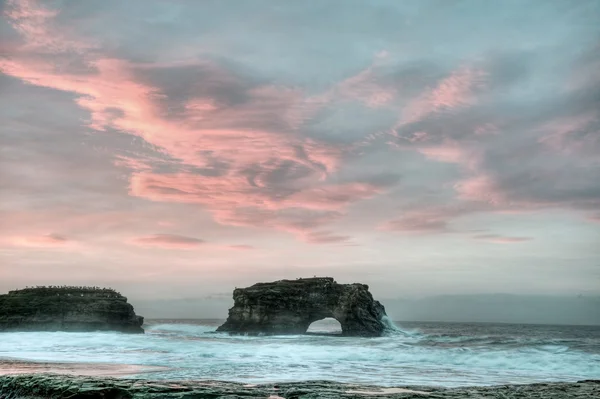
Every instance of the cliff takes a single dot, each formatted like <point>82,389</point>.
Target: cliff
<point>67,309</point>
<point>290,306</point>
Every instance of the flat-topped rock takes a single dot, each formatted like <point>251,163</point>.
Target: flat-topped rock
<point>67,309</point>
<point>290,306</point>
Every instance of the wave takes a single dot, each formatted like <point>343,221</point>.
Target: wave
<point>180,329</point>
<point>407,356</point>
<point>391,329</point>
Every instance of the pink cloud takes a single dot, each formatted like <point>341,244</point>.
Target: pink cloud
<point>594,218</point>
<point>78,222</point>
<point>207,131</point>
<point>448,154</point>
<point>451,151</point>
<point>113,86</point>
<point>365,88</point>
<point>325,237</point>
<point>52,240</point>
<point>480,188</point>
<point>498,239</point>
<point>233,202</point>
<point>169,241</point>
<point>241,247</point>
<point>174,241</point>
<point>458,90</point>
<point>332,197</point>
<point>297,221</point>
<point>571,135</point>
<point>418,224</point>
<point>448,151</point>
<point>425,220</point>
<point>35,23</point>
<point>484,192</point>
<point>133,163</point>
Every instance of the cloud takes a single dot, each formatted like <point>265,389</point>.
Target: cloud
<point>238,201</point>
<point>455,91</point>
<point>297,221</point>
<point>169,241</point>
<point>325,237</point>
<point>498,239</point>
<point>51,240</point>
<point>577,135</point>
<point>241,247</point>
<point>426,219</point>
<point>232,144</point>
<point>366,86</point>
<point>36,24</point>
<point>492,130</point>
<point>417,225</point>
<point>221,123</point>
<point>221,192</point>
<point>482,188</point>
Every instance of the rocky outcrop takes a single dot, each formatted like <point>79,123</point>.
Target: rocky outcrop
<point>290,306</point>
<point>67,309</point>
<point>44,386</point>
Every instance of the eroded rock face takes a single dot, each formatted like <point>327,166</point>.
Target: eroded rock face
<point>62,387</point>
<point>290,306</point>
<point>67,309</point>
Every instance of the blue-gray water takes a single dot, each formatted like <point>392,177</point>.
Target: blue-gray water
<point>442,354</point>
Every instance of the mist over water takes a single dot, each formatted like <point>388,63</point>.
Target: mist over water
<point>442,354</point>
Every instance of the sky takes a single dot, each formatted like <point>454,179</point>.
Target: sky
<point>178,149</point>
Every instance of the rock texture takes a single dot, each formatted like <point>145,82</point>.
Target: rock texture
<point>67,309</point>
<point>290,306</point>
<point>63,387</point>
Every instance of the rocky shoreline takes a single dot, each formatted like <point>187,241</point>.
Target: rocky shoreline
<point>46,386</point>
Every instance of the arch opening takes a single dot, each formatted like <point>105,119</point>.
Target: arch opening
<point>325,326</point>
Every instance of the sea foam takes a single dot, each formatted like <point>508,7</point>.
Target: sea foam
<point>443,356</point>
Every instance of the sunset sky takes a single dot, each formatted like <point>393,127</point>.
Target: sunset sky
<point>180,148</point>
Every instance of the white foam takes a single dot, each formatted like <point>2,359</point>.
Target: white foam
<point>400,358</point>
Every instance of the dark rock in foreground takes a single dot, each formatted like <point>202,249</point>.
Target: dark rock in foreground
<point>61,387</point>
<point>67,309</point>
<point>290,306</point>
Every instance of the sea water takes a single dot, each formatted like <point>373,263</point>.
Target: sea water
<point>440,354</point>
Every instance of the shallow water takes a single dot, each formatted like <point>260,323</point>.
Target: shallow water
<point>441,354</point>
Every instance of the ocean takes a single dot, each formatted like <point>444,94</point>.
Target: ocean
<point>414,353</point>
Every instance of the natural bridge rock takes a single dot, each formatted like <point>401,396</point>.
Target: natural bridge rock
<point>67,309</point>
<point>290,306</point>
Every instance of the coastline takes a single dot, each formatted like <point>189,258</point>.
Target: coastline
<point>48,380</point>
<point>46,386</point>
<point>9,366</point>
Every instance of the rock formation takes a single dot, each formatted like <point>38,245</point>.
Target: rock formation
<point>290,306</point>
<point>48,386</point>
<point>67,309</point>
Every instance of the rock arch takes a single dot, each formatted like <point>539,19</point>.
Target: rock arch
<point>326,326</point>
<point>290,306</point>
